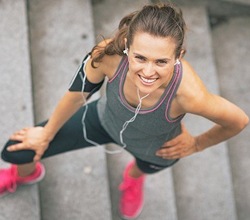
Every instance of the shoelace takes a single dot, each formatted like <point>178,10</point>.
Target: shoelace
<point>8,179</point>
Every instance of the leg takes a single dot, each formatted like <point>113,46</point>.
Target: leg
<point>132,194</point>
<point>26,169</point>
<point>69,137</point>
<point>135,172</point>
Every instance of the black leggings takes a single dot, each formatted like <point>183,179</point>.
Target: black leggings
<point>70,137</point>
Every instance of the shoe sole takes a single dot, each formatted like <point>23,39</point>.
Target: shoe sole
<point>43,172</point>
<point>135,217</point>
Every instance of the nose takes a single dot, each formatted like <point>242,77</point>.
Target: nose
<point>148,69</point>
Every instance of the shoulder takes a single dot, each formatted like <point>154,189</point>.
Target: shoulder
<point>192,93</point>
<point>108,63</point>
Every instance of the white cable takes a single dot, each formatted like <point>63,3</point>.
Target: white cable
<point>137,110</point>
<point>86,106</point>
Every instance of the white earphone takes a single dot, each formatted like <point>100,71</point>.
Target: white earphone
<point>125,51</point>
<point>177,62</point>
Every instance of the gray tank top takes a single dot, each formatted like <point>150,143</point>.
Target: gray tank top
<point>151,128</point>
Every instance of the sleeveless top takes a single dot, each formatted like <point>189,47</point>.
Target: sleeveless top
<point>152,127</point>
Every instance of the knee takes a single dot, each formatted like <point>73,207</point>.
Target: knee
<point>17,157</point>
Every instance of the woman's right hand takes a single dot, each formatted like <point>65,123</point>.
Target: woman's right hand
<point>33,138</point>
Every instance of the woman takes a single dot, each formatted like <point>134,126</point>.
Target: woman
<point>150,88</point>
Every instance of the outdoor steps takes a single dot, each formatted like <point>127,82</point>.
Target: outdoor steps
<point>232,57</point>
<point>202,177</point>
<point>61,33</point>
<point>43,49</point>
<point>16,107</point>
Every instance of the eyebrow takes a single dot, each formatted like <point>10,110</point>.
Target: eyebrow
<point>165,59</point>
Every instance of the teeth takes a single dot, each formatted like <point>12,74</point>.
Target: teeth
<point>147,80</point>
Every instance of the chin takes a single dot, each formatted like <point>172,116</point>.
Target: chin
<point>144,90</point>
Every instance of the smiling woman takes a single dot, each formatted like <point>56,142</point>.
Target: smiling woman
<point>151,66</point>
<point>148,93</point>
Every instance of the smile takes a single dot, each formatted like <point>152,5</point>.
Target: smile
<point>147,81</point>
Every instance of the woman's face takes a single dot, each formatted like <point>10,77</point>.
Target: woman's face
<point>151,61</point>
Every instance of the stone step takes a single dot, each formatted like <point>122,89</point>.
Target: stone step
<point>16,100</point>
<point>242,2</point>
<point>231,46</point>
<point>219,10</point>
<point>202,181</point>
<point>76,184</point>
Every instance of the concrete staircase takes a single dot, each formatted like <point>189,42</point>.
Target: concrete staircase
<point>41,42</point>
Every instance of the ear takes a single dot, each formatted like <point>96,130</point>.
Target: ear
<point>125,42</point>
<point>125,51</point>
<point>183,51</point>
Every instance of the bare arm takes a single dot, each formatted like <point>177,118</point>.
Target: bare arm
<point>38,138</point>
<point>66,107</point>
<point>228,118</point>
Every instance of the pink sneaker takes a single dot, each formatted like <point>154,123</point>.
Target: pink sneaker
<point>9,179</point>
<point>132,196</point>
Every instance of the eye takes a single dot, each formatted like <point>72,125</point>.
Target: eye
<point>140,58</point>
<point>161,62</point>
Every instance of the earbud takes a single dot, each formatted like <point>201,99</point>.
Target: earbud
<point>177,62</point>
<point>126,51</point>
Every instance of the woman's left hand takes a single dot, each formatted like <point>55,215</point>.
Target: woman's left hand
<point>181,146</point>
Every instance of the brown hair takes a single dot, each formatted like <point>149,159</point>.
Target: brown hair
<point>160,20</point>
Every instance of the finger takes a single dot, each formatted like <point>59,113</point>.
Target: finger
<point>37,158</point>
<point>18,132</point>
<point>175,154</point>
<point>171,154</point>
<point>168,150</point>
<point>16,147</point>
<point>176,150</point>
<point>172,157</point>
<point>21,132</point>
<point>17,137</point>
<point>26,128</point>
<point>173,142</point>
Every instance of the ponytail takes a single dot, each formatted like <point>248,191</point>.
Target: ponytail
<point>116,45</point>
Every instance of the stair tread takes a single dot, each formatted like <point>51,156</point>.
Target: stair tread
<point>231,46</point>
<point>16,108</point>
<point>76,182</point>
<point>203,181</point>
<point>243,2</point>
